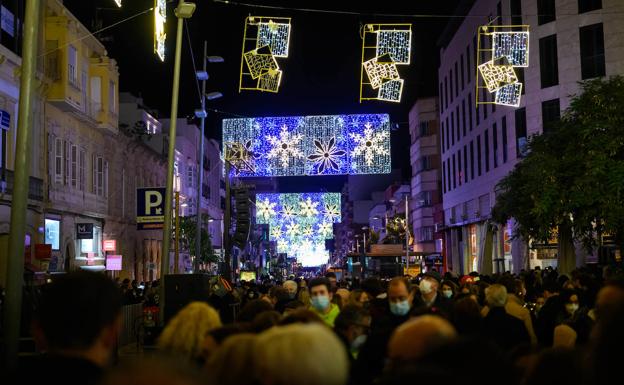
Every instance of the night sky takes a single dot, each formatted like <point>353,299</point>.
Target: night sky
<point>321,75</point>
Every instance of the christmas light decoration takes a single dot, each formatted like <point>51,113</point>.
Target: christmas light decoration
<point>160,35</point>
<point>300,223</point>
<point>384,46</point>
<point>505,47</point>
<point>265,38</point>
<point>118,2</point>
<point>309,145</point>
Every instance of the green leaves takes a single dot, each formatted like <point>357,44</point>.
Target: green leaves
<point>188,231</point>
<point>576,169</point>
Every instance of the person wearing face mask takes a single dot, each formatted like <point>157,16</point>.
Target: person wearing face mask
<point>291,287</point>
<point>352,327</point>
<point>575,315</point>
<point>449,289</point>
<point>429,297</point>
<point>321,301</point>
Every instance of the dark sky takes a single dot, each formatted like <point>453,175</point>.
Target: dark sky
<point>321,75</point>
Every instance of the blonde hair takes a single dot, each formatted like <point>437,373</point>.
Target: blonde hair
<point>324,362</point>
<point>233,361</point>
<point>185,333</point>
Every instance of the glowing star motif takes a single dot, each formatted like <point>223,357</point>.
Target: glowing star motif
<point>292,229</point>
<point>370,144</point>
<point>307,231</point>
<point>326,229</point>
<point>308,208</point>
<point>288,212</point>
<point>326,156</point>
<point>282,246</point>
<point>331,212</point>
<point>266,209</point>
<point>276,232</point>
<point>285,147</point>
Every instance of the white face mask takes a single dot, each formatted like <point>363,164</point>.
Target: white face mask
<point>425,286</point>
<point>447,293</point>
<point>571,308</point>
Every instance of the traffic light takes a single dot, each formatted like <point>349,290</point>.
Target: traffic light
<point>243,217</point>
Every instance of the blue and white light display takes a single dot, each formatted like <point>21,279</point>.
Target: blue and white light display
<point>300,223</point>
<point>312,145</point>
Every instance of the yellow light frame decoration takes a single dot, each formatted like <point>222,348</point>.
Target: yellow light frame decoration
<point>264,40</point>
<point>384,47</point>
<point>160,34</point>
<point>500,50</point>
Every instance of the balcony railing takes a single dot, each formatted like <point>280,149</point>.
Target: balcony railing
<point>35,185</point>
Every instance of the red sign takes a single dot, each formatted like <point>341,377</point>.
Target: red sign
<point>43,251</point>
<point>113,262</point>
<point>110,245</point>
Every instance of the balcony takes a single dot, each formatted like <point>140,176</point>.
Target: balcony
<point>35,185</point>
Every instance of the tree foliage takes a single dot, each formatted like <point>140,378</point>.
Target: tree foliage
<point>573,175</point>
<point>188,231</point>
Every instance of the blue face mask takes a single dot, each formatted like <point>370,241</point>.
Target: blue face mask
<point>400,308</point>
<point>320,302</point>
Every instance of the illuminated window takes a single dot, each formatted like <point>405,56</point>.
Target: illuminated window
<point>53,233</point>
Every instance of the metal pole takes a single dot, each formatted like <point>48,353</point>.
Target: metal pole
<point>226,222</point>
<point>406,236</point>
<point>164,260</point>
<point>176,244</point>
<point>17,231</point>
<point>200,179</point>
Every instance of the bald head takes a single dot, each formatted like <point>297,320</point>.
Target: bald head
<point>417,337</point>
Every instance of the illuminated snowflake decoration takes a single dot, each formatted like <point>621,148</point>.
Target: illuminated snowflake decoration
<point>302,222</point>
<point>308,208</point>
<point>332,212</point>
<point>266,209</point>
<point>327,156</point>
<point>370,144</point>
<point>285,147</point>
<point>326,229</point>
<point>293,229</point>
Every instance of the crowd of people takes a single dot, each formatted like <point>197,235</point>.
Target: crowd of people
<point>538,327</point>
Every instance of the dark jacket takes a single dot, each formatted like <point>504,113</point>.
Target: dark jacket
<point>505,330</point>
<point>441,305</point>
<point>55,369</point>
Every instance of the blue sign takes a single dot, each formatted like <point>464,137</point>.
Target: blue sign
<point>150,208</point>
<point>5,120</point>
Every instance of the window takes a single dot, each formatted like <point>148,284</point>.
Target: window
<point>549,71</point>
<point>452,127</point>
<point>589,5</point>
<point>485,106</point>
<point>72,61</point>
<point>504,132</point>
<point>461,63</point>
<point>551,113</point>
<point>445,92</point>
<point>454,172</point>
<point>521,132</point>
<point>66,156</point>
<point>545,11</point>
<point>74,166</point>
<point>520,75</point>
<point>425,234</point>
<point>441,98</point>
<point>472,160</point>
<point>444,176</point>
<point>474,53</point>
<point>477,113</point>
<point>98,175</point>
<point>448,174</point>
<point>470,111</point>
<point>479,155</point>
<point>592,51</point>
<point>451,81</point>
<point>82,161</point>
<point>96,93</point>
<point>442,136</point>
<point>112,97</point>
<point>464,116</point>
<point>459,167</point>
<point>457,122</point>
<point>58,160</point>
<point>499,13</point>
<point>447,134</point>
<point>53,233</point>
<point>456,81</point>
<point>190,176</point>
<point>468,69</point>
<point>423,199</point>
<point>424,128</point>
<point>495,145</point>
<point>465,163</point>
<point>92,245</point>
<point>486,154</point>
<point>516,12</point>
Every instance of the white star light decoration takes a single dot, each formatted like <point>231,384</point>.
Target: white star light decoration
<point>508,49</point>
<point>312,145</point>
<point>370,144</point>
<point>266,209</point>
<point>391,48</point>
<point>285,147</point>
<point>302,221</point>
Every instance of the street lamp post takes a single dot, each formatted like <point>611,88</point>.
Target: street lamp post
<point>183,11</point>
<point>202,114</point>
